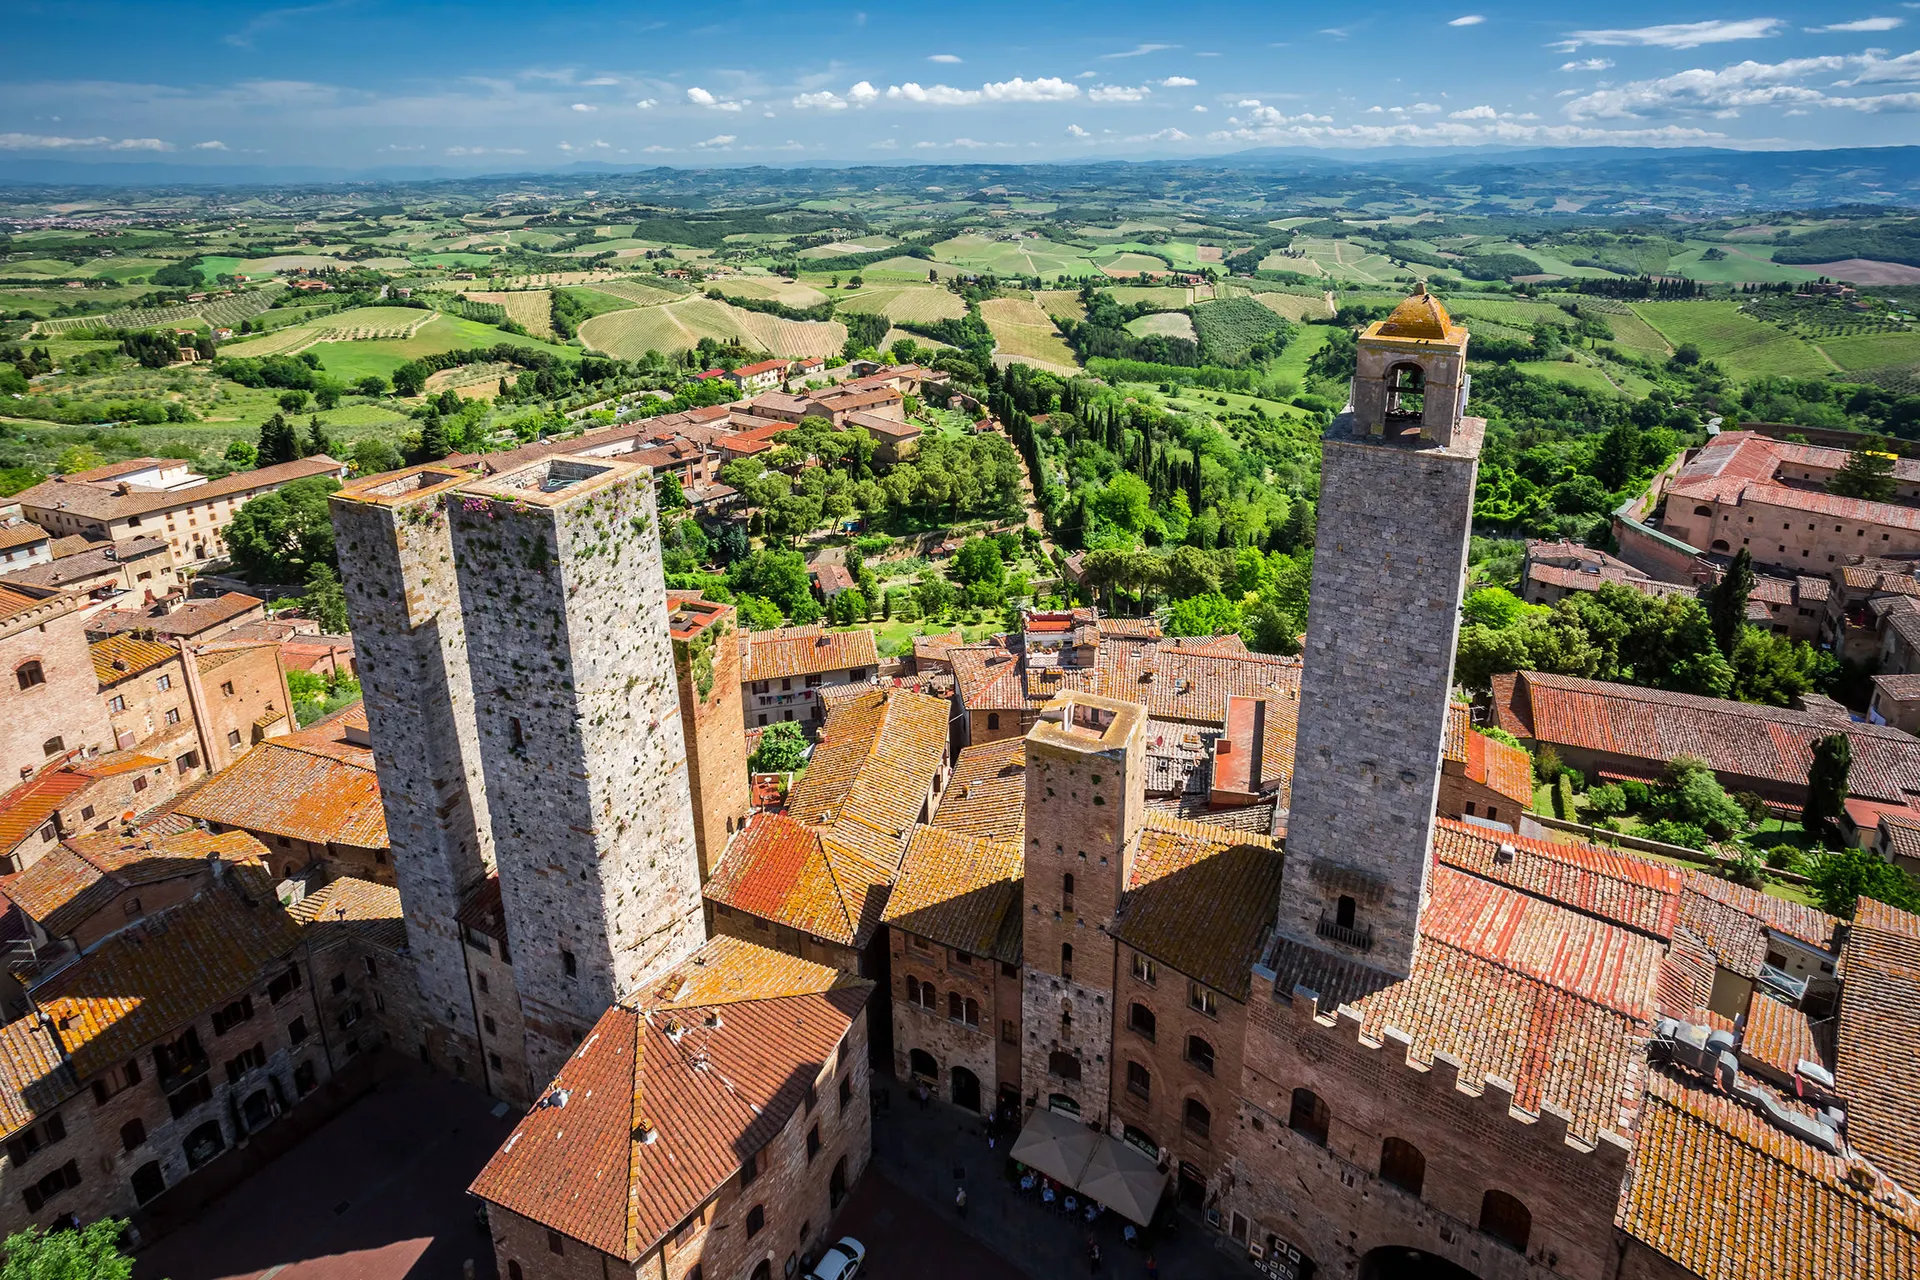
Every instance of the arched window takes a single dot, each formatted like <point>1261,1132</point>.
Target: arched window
<point>1309,1116</point>
<point>204,1143</point>
<point>30,674</point>
<point>1139,1080</point>
<point>970,1012</point>
<point>921,1063</point>
<point>1200,1054</point>
<point>993,719</point>
<point>1066,892</point>
<point>1721,544</point>
<point>1505,1219</point>
<point>756,1220</point>
<point>1703,510</point>
<point>1198,1119</point>
<point>53,746</point>
<point>1402,1164</point>
<point>764,1271</point>
<point>955,1006</point>
<point>1140,1019</point>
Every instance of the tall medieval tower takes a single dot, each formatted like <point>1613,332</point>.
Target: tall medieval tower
<point>1396,501</point>
<point>580,731</point>
<point>410,642</point>
<point>706,667</point>
<point>1086,801</point>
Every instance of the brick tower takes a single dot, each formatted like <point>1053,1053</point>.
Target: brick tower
<point>410,641</point>
<point>579,720</point>
<point>1396,498</point>
<point>1086,800</point>
<point>706,667</point>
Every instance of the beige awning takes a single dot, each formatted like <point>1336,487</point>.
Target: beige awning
<point>1099,1167</point>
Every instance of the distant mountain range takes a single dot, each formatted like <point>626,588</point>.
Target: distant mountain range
<point>1604,180</point>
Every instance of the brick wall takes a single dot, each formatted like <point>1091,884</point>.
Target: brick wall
<point>503,1032</point>
<point>950,1042</point>
<point>1461,795</point>
<point>1331,1202</point>
<point>410,645</point>
<point>716,740</point>
<point>243,688</point>
<point>66,706</point>
<point>581,737</point>
<point>723,919</point>
<point>1389,564</point>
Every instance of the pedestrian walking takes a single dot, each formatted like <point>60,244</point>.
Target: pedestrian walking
<point>960,1202</point>
<point>1153,1268</point>
<point>1093,1257</point>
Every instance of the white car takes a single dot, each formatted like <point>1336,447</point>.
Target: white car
<point>841,1261</point>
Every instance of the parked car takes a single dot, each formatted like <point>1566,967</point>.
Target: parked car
<point>842,1260</point>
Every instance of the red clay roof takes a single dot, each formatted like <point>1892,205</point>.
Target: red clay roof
<point>804,651</point>
<point>1876,1066</point>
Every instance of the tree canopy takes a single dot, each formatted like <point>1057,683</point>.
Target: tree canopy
<point>281,536</point>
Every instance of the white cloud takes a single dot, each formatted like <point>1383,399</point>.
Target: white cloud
<point>141,144</point>
<point>1118,93</point>
<point>700,97</point>
<point>826,100</point>
<point>1247,102</point>
<point>1163,135</point>
<point>1863,24</point>
<point>646,104</point>
<point>54,142</point>
<point>1338,33</point>
<point>1675,35</point>
<point>656,149</point>
<point>1141,50</point>
<point>1075,131</point>
<point>212,144</point>
<point>1178,82</point>
<point>1753,84</point>
<point>943,57</point>
<point>1587,64</point>
<point>885,144</point>
<point>1468,20</point>
<point>1875,68</point>
<point>1045,89</point>
<point>1318,132</point>
<point>1197,107</point>
<point>581,106</point>
<point>600,81</point>
<point>1475,113</point>
<point>719,142</point>
<point>497,151</point>
<point>861,94</point>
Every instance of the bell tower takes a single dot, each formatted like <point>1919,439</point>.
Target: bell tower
<point>1389,563</point>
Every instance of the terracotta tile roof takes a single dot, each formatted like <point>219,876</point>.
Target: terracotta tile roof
<point>1725,1194</point>
<point>1902,688</point>
<point>1812,590</point>
<point>711,1095</point>
<point>1565,579</point>
<point>21,533</point>
<point>61,890</point>
<point>1780,1035</point>
<point>938,645</point>
<point>357,909</point>
<point>987,794</point>
<point>1877,1067</point>
<point>886,428</point>
<point>1557,1003</point>
<point>33,1078</point>
<point>122,657</point>
<point>310,785</point>
<point>1903,835</point>
<point>28,806</point>
<point>1488,761</point>
<point>87,872</point>
<point>189,619</point>
<point>1732,919</point>
<point>1172,680</point>
<point>1738,739</point>
<point>803,651</point>
<point>960,891</point>
<point>102,501</point>
<point>1202,901</point>
<point>148,980</point>
<point>1635,893</point>
<point>879,754</point>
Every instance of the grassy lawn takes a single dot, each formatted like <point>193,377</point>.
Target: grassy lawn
<point>895,637</point>
<point>1743,346</point>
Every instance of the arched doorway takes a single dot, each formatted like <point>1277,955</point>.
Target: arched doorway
<point>920,1063</point>
<point>966,1089</point>
<point>1410,1264</point>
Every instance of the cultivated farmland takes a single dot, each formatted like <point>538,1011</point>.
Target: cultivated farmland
<point>912,303</point>
<point>1743,346</point>
<point>679,326</point>
<point>531,309</point>
<point>769,288</point>
<point>362,324</point>
<point>1873,350</point>
<point>1022,331</point>
<point>1164,324</point>
<point>645,293</point>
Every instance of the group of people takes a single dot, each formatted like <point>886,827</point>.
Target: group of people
<point>1056,1197</point>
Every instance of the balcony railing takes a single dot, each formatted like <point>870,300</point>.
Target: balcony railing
<point>1359,939</point>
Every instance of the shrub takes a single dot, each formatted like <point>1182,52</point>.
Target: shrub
<point>1576,779</point>
<point>1782,857</point>
<point>782,749</point>
<point>1607,801</point>
<point>1685,834</point>
<point>1563,796</point>
<point>1745,868</point>
<point>1546,765</point>
<point>1637,795</point>
<point>1842,878</point>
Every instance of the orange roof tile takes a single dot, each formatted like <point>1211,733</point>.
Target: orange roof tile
<point>124,656</point>
<point>148,980</point>
<point>710,1090</point>
<point>805,651</point>
<point>961,891</point>
<point>986,795</point>
<point>879,754</point>
<point>1617,887</point>
<point>353,908</point>
<point>1779,1035</point>
<point>1201,901</point>
<point>33,1077</point>
<point>1876,1065</point>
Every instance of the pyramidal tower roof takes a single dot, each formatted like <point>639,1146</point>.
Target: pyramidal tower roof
<point>1419,318</point>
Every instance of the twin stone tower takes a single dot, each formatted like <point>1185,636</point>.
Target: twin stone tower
<point>513,642</point>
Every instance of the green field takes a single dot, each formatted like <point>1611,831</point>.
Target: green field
<point>1591,377</point>
<point>1021,257</point>
<point>922,304</point>
<point>1022,331</point>
<point>1631,333</point>
<point>1743,263</point>
<point>1743,346</point>
<point>1519,314</point>
<point>467,260</point>
<point>1307,340</point>
<point>358,359</point>
<point>1873,350</point>
<point>679,326</point>
<point>1165,324</point>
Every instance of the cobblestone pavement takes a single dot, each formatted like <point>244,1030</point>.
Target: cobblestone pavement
<point>378,1193</point>
<point>927,1154</point>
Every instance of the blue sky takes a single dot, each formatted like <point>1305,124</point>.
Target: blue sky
<point>489,85</point>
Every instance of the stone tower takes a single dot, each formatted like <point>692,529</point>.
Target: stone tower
<point>1396,498</point>
<point>1086,800</point>
<point>580,733</point>
<point>706,667</point>
<point>411,645</point>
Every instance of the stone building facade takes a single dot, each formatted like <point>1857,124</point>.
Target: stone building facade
<point>1389,563</point>
<point>49,702</point>
<point>581,744</point>
<point>411,644</point>
<point>706,670</point>
<point>1086,800</point>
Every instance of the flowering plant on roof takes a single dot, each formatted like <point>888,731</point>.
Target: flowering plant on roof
<point>479,505</point>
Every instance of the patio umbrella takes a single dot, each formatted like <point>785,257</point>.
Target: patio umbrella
<point>1123,1180</point>
<point>1058,1146</point>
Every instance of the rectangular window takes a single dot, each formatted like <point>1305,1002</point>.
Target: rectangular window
<point>233,737</point>
<point>173,715</point>
<point>226,689</point>
<point>1202,1000</point>
<point>1009,1034</point>
<point>189,762</point>
<point>568,965</point>
<point>1145,970</point>
<point>233,1015</point>
<point>116,704</point>
<point>284,985</point>
<point>297,1031</point>
<point>164,683</point>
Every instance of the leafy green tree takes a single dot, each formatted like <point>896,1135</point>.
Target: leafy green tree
<point>278,441</point>
<point>782,749</point>
<point>934,594</point>
<point>1841,878</point>
<point>281,536</point>
<point>1205,615</point>
<point>434,441</point>
<point>669,495</point>
<point>1827,782</point>
<point>1125,502</point>
<point>1192,572</point>
<point>1727,601</point>
<point>1270,630</point>
<point>77,457</point>
<point>371,455</point>
<point>1694,795</point>
<point>1868,472</point>
<point>776,576</point>
<point>318,441</point>
<point>1775,671</point>
<point>978,562</point>
<point>758,613</point>
<point>326,600</point>
<point>241,454</point>
<point>90,1253</point>
<point>1492,607</point>
<point>293,401</point>
<point>372,386</point>
<point>410,379</point>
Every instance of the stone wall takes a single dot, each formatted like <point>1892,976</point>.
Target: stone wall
<point>410,646</point>
<point>706,665</point>
<point>236,690</point>
<point>951,1042</point>
<point>503,1032</point>
<point>581,738</point>
<point>1389,565</point>
<point>65,706</point>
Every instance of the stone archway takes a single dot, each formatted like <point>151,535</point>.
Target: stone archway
<point>1397,1263</point>
<point>966,1089</point>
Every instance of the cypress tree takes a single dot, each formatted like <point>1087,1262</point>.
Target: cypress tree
<point>1727,602</point>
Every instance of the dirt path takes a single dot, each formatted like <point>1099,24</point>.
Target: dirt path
<point>1332,310</point>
